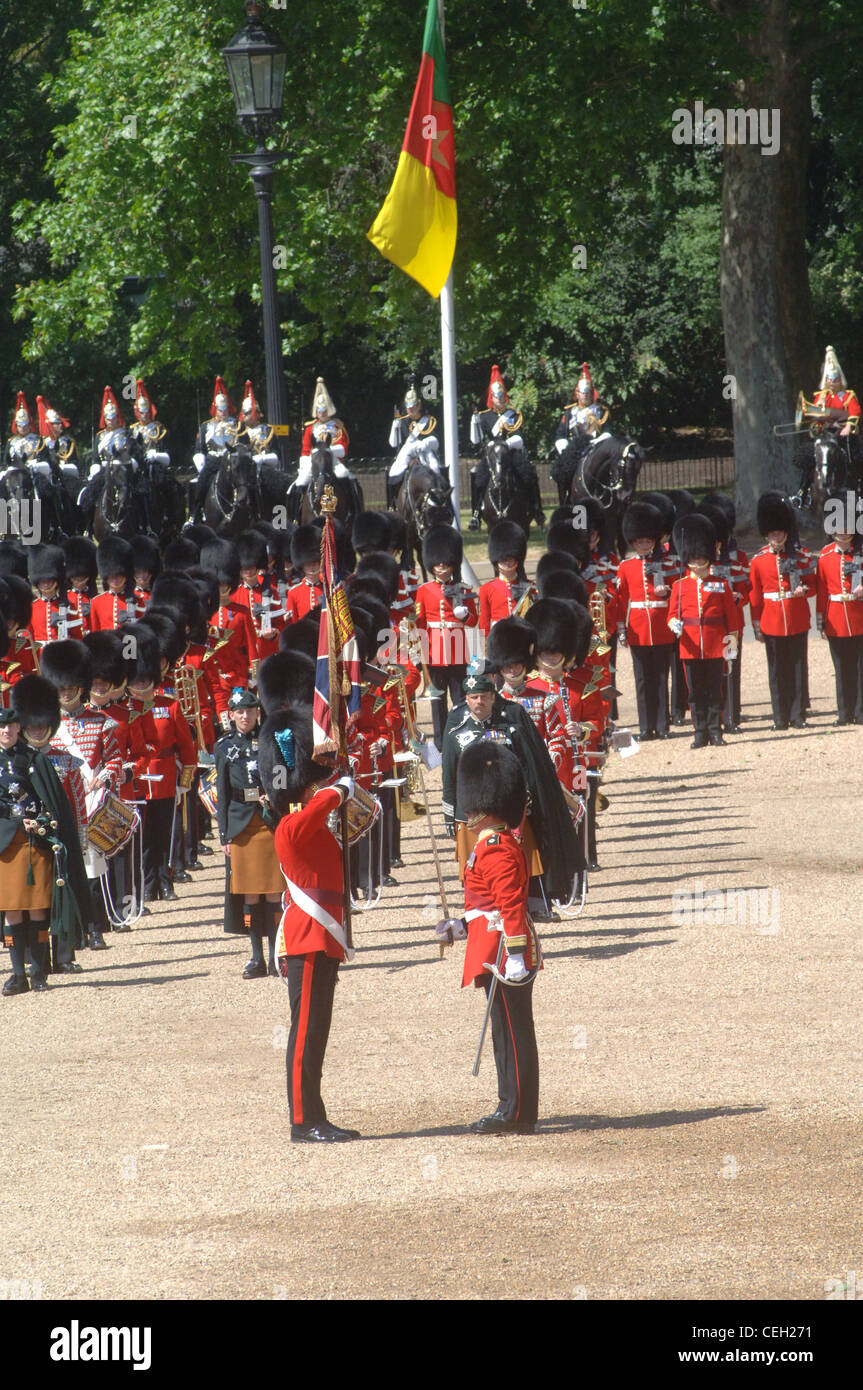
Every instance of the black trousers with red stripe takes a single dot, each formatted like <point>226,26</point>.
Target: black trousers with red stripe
<point>311,986</point>
<point>515,1054</point>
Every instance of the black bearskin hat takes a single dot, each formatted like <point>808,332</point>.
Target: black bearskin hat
<point>146,555</point>
<point>13,559</point>
<point>564,584</point>
<point>775,513</point>
<point>114,556</point>
<point>718,518</point>
<point>170,629</point>
<point>640,520</point>
<point>721,499</point>
<point>252,550</point>
<point>664,505</point>
<point>371,532</point>
<point>47,562</point>
<point>106,653</point>
<point>220,559</point>
<point>181,553</point>
<point>16,601</point>
<point>286,679</point>
<point>491,783</point>
<point>305,546</point>
<point>384,567</point>
<point>694,537</point>
<point>442,545</point>
<point>286,771</point>
<point>561,626</point>
<point>141,650</point>
<point>36,702</point>
<point>511,643</point>
<point>67,663</point>
<point>302,636</point>
<point>563,536</point>
<point>80,555</point>
<point>506,539</point>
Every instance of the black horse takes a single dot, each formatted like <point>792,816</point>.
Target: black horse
<point>347,492</point>
<point>233,501</point>
<point>507,496</point>
<point>608,471</point>
<point>424,500</point>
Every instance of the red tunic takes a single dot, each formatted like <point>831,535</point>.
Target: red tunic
<point>447,643</point>
<point>496,602</point>
<point>770,599</point>
<point>708,613</point>
<point>109,611</point>
<point>311,860</point>
<point>837,611</point>
<point>50,624</point>
<point>303,598</point>
<point>645,615</point>
<point>495,889</point>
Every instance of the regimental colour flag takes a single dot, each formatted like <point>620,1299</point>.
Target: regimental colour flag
<point>416,227</point>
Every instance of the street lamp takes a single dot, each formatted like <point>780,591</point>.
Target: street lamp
<point>255,59</point>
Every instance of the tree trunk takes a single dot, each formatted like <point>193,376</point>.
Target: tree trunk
<point>766,304</point>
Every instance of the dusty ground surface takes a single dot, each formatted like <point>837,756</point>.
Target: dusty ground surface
<point>700,1080</point>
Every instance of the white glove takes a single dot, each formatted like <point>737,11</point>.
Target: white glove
<point>460,612</point>
<point>676,625</point>
<point>515,968</point>
<point>346,785</point>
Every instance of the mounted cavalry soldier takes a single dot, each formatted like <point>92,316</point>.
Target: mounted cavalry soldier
<point>413,434</point>
<point>500,421</point>
<point>327,431</point>
<point>24,443</point>
<point>216,437</point>
<point>256,433</point>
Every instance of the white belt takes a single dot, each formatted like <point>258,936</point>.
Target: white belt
<point>649,603</point>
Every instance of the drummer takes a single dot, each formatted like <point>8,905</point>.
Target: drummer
<point>253,878</point>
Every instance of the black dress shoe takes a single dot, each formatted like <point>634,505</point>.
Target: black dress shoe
<point>319,1134</point>
<point>255,970</point>
<point>700,741</point>
<point>493,1124</point>
<point>182,877</point>
<point>168,894</point>
<point>717,741</point>
<point>69,967</point>
<point>389,882</point>
<point>397,863</point>
<point>799,724</point>
<point>779,728</point>
<point>16,984</point>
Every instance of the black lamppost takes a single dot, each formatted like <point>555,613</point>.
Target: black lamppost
<point>255,59</point>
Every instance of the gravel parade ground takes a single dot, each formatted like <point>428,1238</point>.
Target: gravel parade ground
<point>700,1075</point>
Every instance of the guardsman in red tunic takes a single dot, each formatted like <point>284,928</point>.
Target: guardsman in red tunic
<point>55,615</point>
<point>502,951</point>
<point>704,620</point>
<point>120,601</point>
<point>781,580</point>
<point>444,609</point>
<point>307,595</point>
<point>511,592</point>
<point>311,941</point>
<point>259,592</point>
<point>230,626</point>
<point>839,603</point>
<point>21,659</point>
<point>643,589</point>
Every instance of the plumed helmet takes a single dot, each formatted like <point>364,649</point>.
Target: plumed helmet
<point>301,637</point>
<point>286,765</point>
<point>718,518</point>
<point>106,654</point>
<point>665,507</point>
<point>694,538</point>
<point>642,520</point>
<point>564,584</point>
<point>47,562</point>
<point>80,555</point>
<point>67,663</point>
<point>146,555</point>
<point>511,643</point>
<point>497,393</point>
<point>775,513</point>
<point>16,601</point>
<point>507,539</point>
<point>561,626</point>
<point>13,559</point>
<point>36,702</point>
<point>721,499</point>
<point>322,402</point>
<point>220,558</point>
<point>442,545</point>
<point>170,629</point>
<point>562,536</point>
<point>371,532</point>
<point>181,553</point>
<point>305,546</point>
<point>383,567</point>
<point>286,679</point>
<point>141,648</point>
<point>491,783</point>
<point>114,556</point>
<point>252,550</point>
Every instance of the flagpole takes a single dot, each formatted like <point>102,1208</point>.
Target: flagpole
<point>450,418</point>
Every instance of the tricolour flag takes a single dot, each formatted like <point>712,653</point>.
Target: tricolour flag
<point>337,670</point>
<point>416,227</point>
